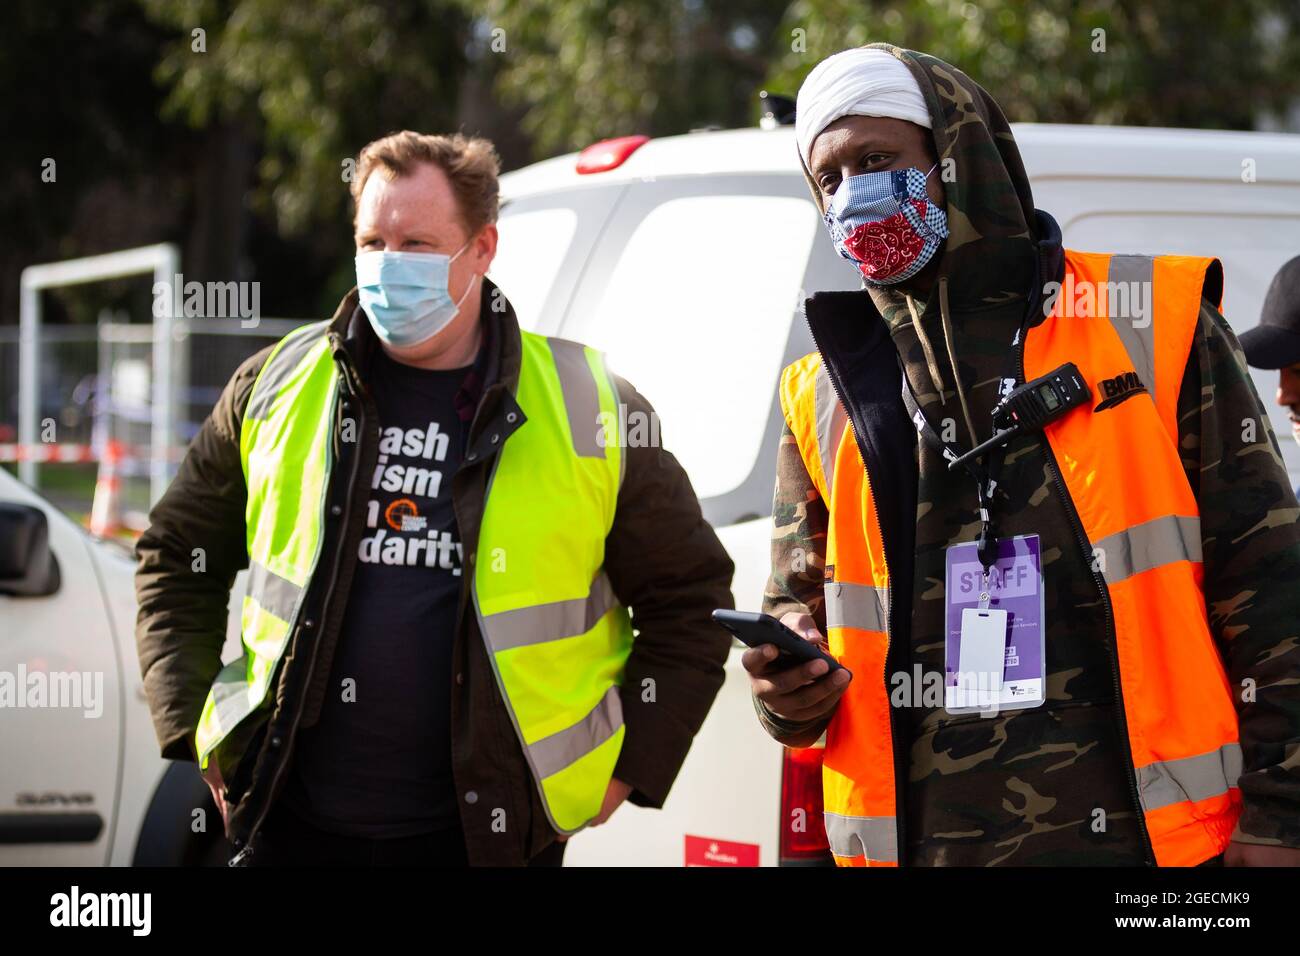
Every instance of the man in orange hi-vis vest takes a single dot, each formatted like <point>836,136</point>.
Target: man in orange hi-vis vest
<point>1082,644</point>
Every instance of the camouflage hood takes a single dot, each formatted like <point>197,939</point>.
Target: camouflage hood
<point>991,267</point>
<point>989,203</point>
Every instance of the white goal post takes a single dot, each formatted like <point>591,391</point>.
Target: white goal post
<point>163,260</point>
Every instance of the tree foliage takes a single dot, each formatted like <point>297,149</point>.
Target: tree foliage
<point>316,80</point>
<point>590,70</point>
<point>233,140</point>
<point>1185,63</point>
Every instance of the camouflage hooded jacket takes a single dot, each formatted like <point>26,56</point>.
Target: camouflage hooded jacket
<point>1024,787</point>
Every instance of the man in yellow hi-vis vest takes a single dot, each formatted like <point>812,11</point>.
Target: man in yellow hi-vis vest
<point>444,526</point>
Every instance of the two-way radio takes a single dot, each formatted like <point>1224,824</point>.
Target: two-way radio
<point>1032,406</point>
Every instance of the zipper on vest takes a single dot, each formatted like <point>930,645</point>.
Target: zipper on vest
<point>239,858</point>
<point>1077,524</point>
<point>855,422</point>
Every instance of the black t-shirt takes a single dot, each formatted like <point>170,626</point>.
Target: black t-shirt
<point>378,762</point>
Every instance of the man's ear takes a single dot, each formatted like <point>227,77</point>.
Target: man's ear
<point>484,247</point>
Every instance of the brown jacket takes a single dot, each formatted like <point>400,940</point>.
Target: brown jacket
<point>663,559</point>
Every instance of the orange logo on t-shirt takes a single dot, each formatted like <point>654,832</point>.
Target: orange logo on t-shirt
<point>396,513</point>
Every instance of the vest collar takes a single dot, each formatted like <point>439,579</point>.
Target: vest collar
<point>495,373</point>
<point>1050,251</point>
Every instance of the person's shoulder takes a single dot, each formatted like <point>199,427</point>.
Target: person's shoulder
<point>806,364</point>
<point>1148,266</point>
<point>628,396</point>
<point>1214,331</point>
<point>246,374</point>
<point>800,377</point>
<point>250,366</point>
<point>229,411</point>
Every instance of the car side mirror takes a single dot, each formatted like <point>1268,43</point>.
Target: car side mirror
<point>28,567</point>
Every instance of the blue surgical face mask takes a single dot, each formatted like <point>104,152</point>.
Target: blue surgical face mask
<point>886,224</point>
<point>405,294</point>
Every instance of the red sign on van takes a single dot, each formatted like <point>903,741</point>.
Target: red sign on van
<point>704,851</point>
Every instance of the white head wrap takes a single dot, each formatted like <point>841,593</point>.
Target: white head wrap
<point>857,82</point>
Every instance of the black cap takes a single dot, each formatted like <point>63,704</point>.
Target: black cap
<point>1275,342</point>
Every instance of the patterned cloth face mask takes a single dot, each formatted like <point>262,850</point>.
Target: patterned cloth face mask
<point>885,224</point>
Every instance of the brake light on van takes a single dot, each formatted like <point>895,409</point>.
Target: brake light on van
<point>609,153</point>
<point>803,829</point>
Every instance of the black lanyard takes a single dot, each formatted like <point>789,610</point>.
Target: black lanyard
<point>986,476</point>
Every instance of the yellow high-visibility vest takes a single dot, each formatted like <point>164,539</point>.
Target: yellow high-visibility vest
<point>556,634</point>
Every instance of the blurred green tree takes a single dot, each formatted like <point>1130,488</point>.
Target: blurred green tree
<point>314,82</point>
<point>87,166</point>
<point>1184,63</point>
<point>588,70</point>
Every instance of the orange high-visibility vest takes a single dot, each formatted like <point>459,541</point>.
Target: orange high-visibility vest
<point>1121,471</point>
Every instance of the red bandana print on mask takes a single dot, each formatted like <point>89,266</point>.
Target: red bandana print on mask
<point>888,247</point>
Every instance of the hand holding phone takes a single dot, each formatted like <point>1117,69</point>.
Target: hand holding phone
<point>796,681</point>
<point>755,630</point>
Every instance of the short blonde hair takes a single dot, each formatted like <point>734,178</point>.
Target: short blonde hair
<point>469,162</point>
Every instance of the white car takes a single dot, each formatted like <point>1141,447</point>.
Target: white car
<point>81,782</point>
<point>687,260</point>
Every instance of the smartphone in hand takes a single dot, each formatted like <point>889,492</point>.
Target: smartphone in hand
<point>755,630</point>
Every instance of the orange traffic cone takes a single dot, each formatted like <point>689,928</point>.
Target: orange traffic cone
<point>106,512</point>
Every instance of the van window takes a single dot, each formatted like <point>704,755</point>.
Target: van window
<point>532,247</point>
<point>696,314</point>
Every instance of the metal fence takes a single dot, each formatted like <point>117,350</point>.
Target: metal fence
<point>97,391</point>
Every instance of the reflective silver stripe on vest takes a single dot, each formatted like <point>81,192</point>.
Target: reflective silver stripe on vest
<point>1131,311</point>
<point>581,398</point>
<point>1149,545</point>
<point>296,346</point>
<point>274,593</point>
<point>876,837</point>
<point>831,419</point>
<point>230,694</point>
<point>618,404</point>
<point>277,596</point>
<point>1191,778</point>
<point>855,605</point>
<point>550,622</point>
<point>552,754</point>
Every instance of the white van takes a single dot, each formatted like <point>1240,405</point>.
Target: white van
<point>687,260</point>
